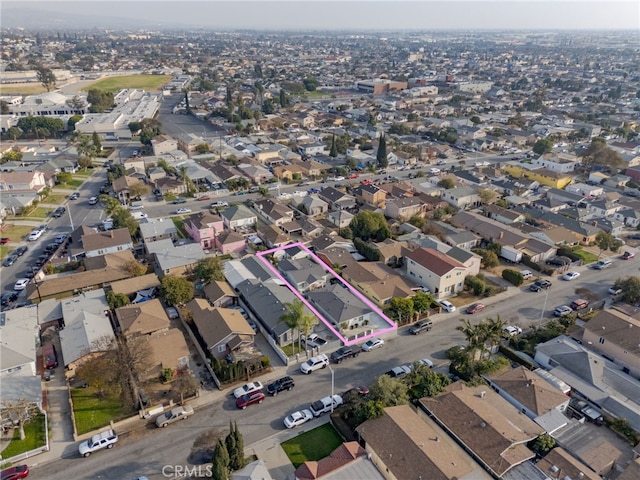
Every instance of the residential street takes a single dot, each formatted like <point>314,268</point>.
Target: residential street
<point>146,450</point>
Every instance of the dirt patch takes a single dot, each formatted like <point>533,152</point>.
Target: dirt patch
<point>587,294</point>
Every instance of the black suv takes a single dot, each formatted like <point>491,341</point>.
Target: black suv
<point>58,212</point>
<point>281,384</point>
<point>344,352</point>
<point>8,298</point>
<point>419,327</point>
<point>540,285</point>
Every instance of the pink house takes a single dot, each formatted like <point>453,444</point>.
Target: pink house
<point>230,242</point>
<point>203,228</point>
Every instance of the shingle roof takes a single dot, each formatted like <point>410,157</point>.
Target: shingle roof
<point>436,262</point>
<point>142,318</point>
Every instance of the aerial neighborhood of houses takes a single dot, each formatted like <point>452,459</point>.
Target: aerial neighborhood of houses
<point>243,219</point>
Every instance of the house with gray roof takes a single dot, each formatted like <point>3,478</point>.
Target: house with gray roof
<point>174,260</point>
<point>337,199</point>
<point>314,205</point>
<point>461,197</point>
<point>602,382</point>
<point>266,301</point>
<point>87,327</point>
<point>273,212</point>
<point>19,376</point>
<point>238,217</point>
<point>341,307</point>
<point>303,273</point>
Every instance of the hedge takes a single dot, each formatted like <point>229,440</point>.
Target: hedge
<point>511,355</point>
<point>513,276</point>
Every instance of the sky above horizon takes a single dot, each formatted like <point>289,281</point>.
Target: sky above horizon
<point>353,14</point>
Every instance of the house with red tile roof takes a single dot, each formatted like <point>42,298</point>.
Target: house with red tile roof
<point>442,274</point>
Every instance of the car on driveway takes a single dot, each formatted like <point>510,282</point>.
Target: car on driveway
<point>399,372</point>
<point>249,399</point>
<point>280,385</point>
<point>372,344</point>
<point>475,308</point>
<point>4,240</point>
<point>313,340</point>
<point>173,415</point>
<point>540,285</point>
<point>247,388</point>
<point>562,311</point>
<point>511,331</point>
<point>181,211</point>
<point>613,290</point>
<point>298,418</point>
<point>21,284</point>
<point>447,306</point>
<point>570,276</point>
<point>628,255</point>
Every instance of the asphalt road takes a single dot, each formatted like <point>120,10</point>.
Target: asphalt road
<point>148,450</point>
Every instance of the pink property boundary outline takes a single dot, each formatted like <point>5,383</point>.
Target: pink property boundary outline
<point>392,325</point>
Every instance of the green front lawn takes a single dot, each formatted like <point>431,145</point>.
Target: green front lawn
<point>313,445</point>
<point>72,185</point>
<point>3,251</point>
<point>39,212</point>
<point>16,233</point>
<point>35,437</point>
<point>84,172</point>
<point>291,349</point>
<point>92,412</point>
<point>55,199</point>
<point>586,257</point>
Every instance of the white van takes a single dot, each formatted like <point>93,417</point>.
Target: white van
<point>139,215</point>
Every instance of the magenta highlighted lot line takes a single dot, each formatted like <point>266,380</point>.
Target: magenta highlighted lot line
<point>392,326</point>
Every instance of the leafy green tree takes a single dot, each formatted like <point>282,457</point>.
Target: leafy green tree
<point>422,301</point>
<point>11,156</point>
<point>100,101</point>
<point>283,98</point>
<point>138,189</point>
<point>71,123</point>
<point>86,149</point>
<point>400,310</point>
<point>543,444</point>
<point>542,146</point>
<point>202,148</point>
<point>389,391</point>
<point>447,183</point>
<point>296,317</point>
<point>418,221</point>
<point>46,77</point>
<point>630,289</point>
<point>606,241</point>
<point>310,84</point>
<point>475,120</point>
<point>14,133</point>
<point>135,268</point>
<point>489,258</point>
<point>220,462</point>
<point>599,153</point>
<point>381,155</point>
<point>64,177</point>
<point>368,225</point>
<point>333,152</point>
<point>117,300</point>
<point>115,171</point>
<point>97,142</point>
<point>486,195</point>
<point>76,103</point>
<point>209,269</point>
<point>4,107</point>
<point>425,382</point>
<point>400,129</point>
<point>122,218</point>
<point>235,446</point>
<point>369,409</point>
<point>176,290</point>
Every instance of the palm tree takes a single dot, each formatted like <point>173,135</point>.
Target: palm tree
<point>295,317</point>
<point>472,334</point>
<point>86,149</point>
<point>494,330</point>
<point>188,183</point>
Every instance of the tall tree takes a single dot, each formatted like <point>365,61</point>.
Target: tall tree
<point>381,155</point>
<point>176,290</point>
<point>46,77</point>
<point>97,142</point>
<point>220,462</point>
<point>21,412</point>
<point>283,98</point>
<point>606,241</point>
<point>333,152</point>
<point>86,150</point>
<point>209,269</point>
<point>294,317</point>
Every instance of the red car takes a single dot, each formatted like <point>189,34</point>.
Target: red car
<point>628,255</point>
<point>4,240</point>
<point>354,175</point>
<point>204,198</point>
<point>475,308</point>
<point>14,473</point>
<point>366,182</point>
<point>249,399</point>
